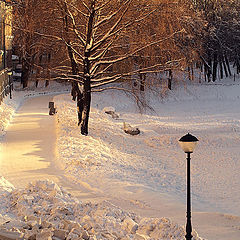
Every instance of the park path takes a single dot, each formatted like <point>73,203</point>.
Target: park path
<point>28,150</point>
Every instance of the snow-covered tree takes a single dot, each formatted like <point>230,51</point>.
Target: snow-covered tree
<point>221,39</point>
<point>107,42</point>
<point>112,41</point>
<point>32,26</point>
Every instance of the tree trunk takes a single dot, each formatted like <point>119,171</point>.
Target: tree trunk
<point>221,68</point>
<point>48,71</point>
<point>87,80</point>
<point>86,95</point>
<point>142,81</point>
<point>205,72</point>
<point>46,83</point>
<point>192,70</point>
<point>189,73</point>
<point>238,66</point>
<point>170,80</point>
<point>225,67</point>
<point>209,70</point>
<point>25,73</point>
<point>228,66</point>
<point>215,63</point>
<point>38,70</point>
<point>80,107</point>
<point>75,92</point>
<point>86,107</point>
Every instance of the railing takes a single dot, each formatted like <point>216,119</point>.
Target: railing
<point>6,85</point>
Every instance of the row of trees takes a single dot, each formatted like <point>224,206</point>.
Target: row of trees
<point>221,36</point>
<point>104,44</point>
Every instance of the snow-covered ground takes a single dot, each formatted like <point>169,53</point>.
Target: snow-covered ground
<point>44,211</point>
<point>108,157</point>
<point>119,166</point>
<point>144,174</point>
<point>9,106</point>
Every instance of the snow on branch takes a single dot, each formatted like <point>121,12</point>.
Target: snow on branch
<point>103,5</point>
<point>102,72</point>
<point>74,50</point>
<point>151,69</point>
<point>110,32</point>
<point>103,52</point>
<point>78,34</point>
<point>78,10</point>
<point>108,18</point>
<point>86,6</point>
<point>104,62</point>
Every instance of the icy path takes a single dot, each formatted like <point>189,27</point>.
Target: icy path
<point>28,151</point>
<point>29,144</point>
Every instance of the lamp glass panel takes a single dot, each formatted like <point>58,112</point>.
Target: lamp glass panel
<point>187,146</point>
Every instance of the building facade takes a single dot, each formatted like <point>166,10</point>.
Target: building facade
<point>6,34</point>
<point>5,45</point>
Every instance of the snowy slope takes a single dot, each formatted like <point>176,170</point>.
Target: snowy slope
<point>108,159</point>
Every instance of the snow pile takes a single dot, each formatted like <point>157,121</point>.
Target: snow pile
<point>7,109</point>
<point>44,211</point>
<point>5,186</point>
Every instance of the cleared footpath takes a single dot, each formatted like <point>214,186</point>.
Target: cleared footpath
<point>28,150</point>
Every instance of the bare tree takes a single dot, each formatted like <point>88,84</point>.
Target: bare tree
<point>107,42</point>
<point>221,38</point>
<point>102,36</point>
<point>32,24</point>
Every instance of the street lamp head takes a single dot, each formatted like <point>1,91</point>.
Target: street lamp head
<point>9,72</point>
<point>188,143</point>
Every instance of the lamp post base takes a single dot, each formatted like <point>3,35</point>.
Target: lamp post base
<point>189,224</point>
<point>188,236</point>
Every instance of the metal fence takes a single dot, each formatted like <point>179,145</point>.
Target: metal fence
<point>6,85</point>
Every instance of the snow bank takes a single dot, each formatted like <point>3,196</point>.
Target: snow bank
<point>7,109</point>
<point>44,211</point>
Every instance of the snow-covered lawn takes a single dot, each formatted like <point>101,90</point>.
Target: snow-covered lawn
<point>139,172</point>
<point>110,160</point>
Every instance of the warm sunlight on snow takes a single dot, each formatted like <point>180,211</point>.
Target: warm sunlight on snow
<point>23,154</point>
<point>143,173</point>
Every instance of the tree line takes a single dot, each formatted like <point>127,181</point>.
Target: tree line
<point>107,44</point>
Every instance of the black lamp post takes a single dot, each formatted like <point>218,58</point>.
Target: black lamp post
<point>188,143</point>
<point>10,84</point>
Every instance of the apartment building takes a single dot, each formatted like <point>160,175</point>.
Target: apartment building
<point>5,45</point>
